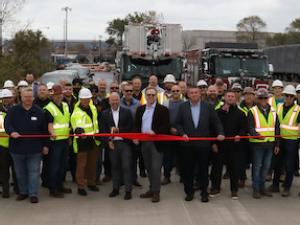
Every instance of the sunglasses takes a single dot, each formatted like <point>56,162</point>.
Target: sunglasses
<point>263,98</point>
<point>114,88</point>
<point>176,91</point>
<point>128,90</point>
<point>289,96</point>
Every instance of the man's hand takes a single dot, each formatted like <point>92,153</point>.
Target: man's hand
<point>237,138</point>
<point>185,137</point>
<point>114,130</point>
<point>173,131</point>
<point>136,142</point>
<point>15,135</point>
<point>151,132</point>
<point>220,137</point>
<point>215,148</point>
<point>45,150</point>
<point>53,136</point>
<point>276,150</point>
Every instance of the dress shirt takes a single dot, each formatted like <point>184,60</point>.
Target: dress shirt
<point>116,114</point>
<point>147,118</point>
<point>195,109</point>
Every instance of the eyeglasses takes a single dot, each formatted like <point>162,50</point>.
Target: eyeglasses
<point>262,98</point>
<point>128,90</point>
<point>112,88</point>
<point>150,95</point>
<point>237,91</point>
<point>202,87</point>
<point>175,90</point>
<point>289,96</point>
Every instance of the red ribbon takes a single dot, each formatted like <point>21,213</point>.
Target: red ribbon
<point>146,137</point>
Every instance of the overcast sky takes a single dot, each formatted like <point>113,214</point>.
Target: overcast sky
<point>88,18</point>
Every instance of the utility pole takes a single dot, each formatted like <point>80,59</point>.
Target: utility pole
<point>100,37</point>
<point>66,9</point>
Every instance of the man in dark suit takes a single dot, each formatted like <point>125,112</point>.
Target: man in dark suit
<point>197,118</point>
<point>118,119</point>
<point>152,118</point>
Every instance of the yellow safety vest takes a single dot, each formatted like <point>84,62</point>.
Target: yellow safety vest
<point>80,119</point>
<point>4,142</point>
<point>219,105</point>
<point>61,122</point>
<point>262,126</point>
<point>288,123</point>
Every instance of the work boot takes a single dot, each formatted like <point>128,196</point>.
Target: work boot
<point>21,197</point>
<point>34,199</point>
<point>155,197</point>
<point>82,192</point>
<point>273,189</point>
<point>56,194</point>
<point>148,194</point>
<point>286,192</point>
<point>127,195</point>
<point>234,195</point>
<point>256,195</point>
<point>93,188</point>
<point>214,192</point>
<point>114,193</point>
<point>266,193</point>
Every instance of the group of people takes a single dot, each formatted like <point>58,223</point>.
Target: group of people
<point>59,125</point>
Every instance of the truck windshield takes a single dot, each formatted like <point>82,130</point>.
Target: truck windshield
<point>144,67</point>
<point>255,67</point>
<point>227,66</point>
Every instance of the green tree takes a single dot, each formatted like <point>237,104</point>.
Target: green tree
<point>294,26</point>
<point>28,51</point>
<point>250,29</point>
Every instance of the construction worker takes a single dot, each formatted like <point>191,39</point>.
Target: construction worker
<point>84,120</point>
<point>288,115</point>
<point>169,81</point>
<point>238,90</point>
<point>245,106</point>
<point>202,85</point>
<point>212,96</point>
<point>277,88</point>
<point>153,82</point>
<point>58,119</point>
<point>5,159</point>
<point>264,125</point>
<point>298,94</point>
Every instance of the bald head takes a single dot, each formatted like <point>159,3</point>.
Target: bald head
<point>114,100</point>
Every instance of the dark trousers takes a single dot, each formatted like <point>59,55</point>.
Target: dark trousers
<point>137,161</point>
<point>153,162</point>
<point>286,159</point>
<point>72,162</point>
<point>168,161</point>
<point>58,156</point>
<point>245,158</point>
<point>120,159</point>
<point>193,156</point>
<point>100,161</point>
<point>106,162</point>
<point>231,154</point>
<point>44,173</point>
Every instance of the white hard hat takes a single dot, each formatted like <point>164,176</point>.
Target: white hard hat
<point>202,83</point>
<point>5,93</point>
<point>85,93</point>
<point>289,90</point>
<point>169,78</point>
<point>22,83</point>
<point>50,85</point>
<point>298,88</point>
<point>8,84</point>
<point>277,83</point>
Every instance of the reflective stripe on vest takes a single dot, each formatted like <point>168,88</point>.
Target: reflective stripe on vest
<point>288,125</point>
<point>61,122</point>
<point>262,126</point>
<point>4,142</point>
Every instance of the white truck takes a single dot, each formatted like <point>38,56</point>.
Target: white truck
<point>151,49</point>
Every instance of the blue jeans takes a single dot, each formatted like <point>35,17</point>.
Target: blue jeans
<point>58,156</point>
<point>262,157</point>
<point>27,168</point>
<point>286,159</point>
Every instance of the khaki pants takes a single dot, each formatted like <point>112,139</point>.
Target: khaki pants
<point>87,167</point>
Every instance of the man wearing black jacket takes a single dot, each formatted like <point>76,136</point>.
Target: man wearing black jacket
<point>197,118</point>
<point>152,118</point>
<point>234,124</point>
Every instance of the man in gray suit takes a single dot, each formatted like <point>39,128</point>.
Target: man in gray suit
<point>197,118</point>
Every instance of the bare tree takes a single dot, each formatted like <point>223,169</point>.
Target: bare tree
<point>188,41</point>
<point>8,8</point>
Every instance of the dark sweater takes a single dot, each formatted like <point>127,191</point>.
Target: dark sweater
<point>24,121</point>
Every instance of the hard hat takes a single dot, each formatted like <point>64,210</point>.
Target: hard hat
<point>22,83</point>
<point>298,88</point>
<point>248,90</point>
<point>289,90</point>
<point>8,84</point>
<point>201,83</point>
<point>277,83</point>
<point>85,93</point>
<point>169,78</point>
<point>262,92</point>
<point>236,86</point>
<point>5,93</point>
<point>50,85</point>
